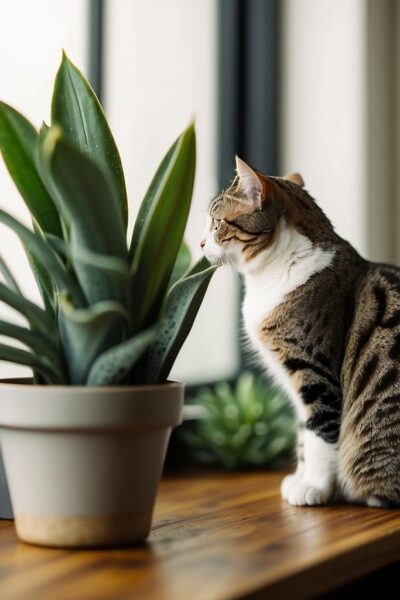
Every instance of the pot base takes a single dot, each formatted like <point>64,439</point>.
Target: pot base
<point>83,532</point>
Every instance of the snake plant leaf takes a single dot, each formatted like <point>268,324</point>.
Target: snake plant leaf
<point>150,198</point>
<point>22,357</point>
<point>8,277</point>
<point>85,196</point>
<point>181,265</point>
<point>89,207</point>
<point>18,146</point>
<point>59,246</point>
<point>36,316</point>
<point>44,282</point>
<point>182,304</point>
<point>52,263</point>
<point>113,264</point>
<point>162,232</point>
<point>113,366</point>
<point>76,109</point>
<point>41,344</point>
<point>115,268</point>
<point>87,333</point>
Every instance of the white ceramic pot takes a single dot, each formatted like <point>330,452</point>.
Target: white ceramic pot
<point>83,464</point>
<point>5,502</point>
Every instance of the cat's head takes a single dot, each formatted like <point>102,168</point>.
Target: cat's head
<point>247,219</point>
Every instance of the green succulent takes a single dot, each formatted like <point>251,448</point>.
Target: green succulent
<point>245,425</point>
<point>113,313</point>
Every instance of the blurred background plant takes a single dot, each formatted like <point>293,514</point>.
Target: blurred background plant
<point>247,424</point>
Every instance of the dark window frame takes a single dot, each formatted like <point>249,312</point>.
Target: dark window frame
<point>248,56</point>
<point>96,45</point>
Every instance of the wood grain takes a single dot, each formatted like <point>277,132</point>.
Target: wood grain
<point>215,537</point>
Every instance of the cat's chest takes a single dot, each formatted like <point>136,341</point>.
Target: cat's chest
<point>258,309</point>
<point>258,306</point>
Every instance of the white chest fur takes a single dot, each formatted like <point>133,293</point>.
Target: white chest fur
<point>289,263</point>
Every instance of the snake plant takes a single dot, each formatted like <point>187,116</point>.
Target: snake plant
<point>113,312</point>
<point>245,425</point>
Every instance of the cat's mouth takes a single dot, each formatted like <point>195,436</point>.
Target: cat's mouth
<point>213,258</point>
<point>217,261</point>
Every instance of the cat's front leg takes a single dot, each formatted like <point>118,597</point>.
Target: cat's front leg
<point>314,481</point>
<point>291,480</point>
<point>318,475</point>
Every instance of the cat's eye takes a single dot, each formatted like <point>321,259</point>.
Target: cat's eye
<point>217,223</point>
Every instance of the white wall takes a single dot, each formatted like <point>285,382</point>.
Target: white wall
<point>161,71</point>
<point>323,113</point>
<point>32,34</point>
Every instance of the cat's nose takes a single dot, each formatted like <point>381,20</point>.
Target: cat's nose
<point>202,243</point>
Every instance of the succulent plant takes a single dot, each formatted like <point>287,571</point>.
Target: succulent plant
<point>241,426</point>
<point>113,313</point>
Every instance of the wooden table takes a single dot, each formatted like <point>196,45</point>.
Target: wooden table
<point>215,537</point>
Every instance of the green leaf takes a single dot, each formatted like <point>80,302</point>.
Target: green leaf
<point>150,198</point>
<point>89,208</point>
<point>59,246</point>
<point>40,343</point>
<point>162,233</point>
<point>76,109</point>
<point>182,304</point>
<point>87,333</point>
<point>182,264</point>
<point>116,268</point>
<point>8,277</point>
<point>35,315</point>
<point>18,146</point>
<point>44,282</point>
<point>22,357</point>
<point>43,252</point>
<point>112,264</point>
<point>114,365</point>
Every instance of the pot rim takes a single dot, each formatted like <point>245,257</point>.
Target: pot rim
<point>19,383</point>
<point>41,407</point>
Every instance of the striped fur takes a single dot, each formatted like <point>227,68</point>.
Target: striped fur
<point>326,324</point>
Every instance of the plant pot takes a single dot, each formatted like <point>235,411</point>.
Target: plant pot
<point>5,502</point>
<point>83,464</point>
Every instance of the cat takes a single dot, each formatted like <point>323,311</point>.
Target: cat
<point>326,323</point>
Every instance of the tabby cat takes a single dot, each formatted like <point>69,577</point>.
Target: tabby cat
<point>326,323</point>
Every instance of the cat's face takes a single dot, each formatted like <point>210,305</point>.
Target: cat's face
<point>242,222</point>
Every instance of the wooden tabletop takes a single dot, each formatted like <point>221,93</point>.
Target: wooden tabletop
<point>215,537</point>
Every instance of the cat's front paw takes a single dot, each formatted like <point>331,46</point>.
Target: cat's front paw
<point>302,493</point>
<point>288,483</point>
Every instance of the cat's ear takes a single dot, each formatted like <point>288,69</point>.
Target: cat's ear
<point>295,178</point>
<point>252,183</point>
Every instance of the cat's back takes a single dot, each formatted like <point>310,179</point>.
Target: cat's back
<point>373,344</point>
<point>370,431</point>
